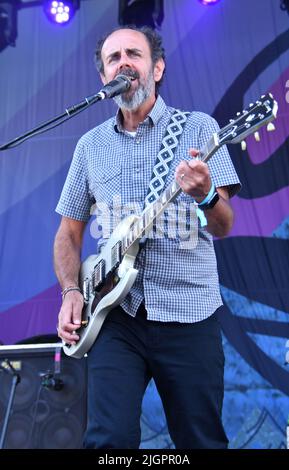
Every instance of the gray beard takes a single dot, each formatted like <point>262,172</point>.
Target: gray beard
<point>131,103</point>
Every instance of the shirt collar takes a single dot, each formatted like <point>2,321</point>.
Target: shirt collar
<point>153,117</point>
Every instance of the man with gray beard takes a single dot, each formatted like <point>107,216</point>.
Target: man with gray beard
<point>132,101</point>
<point>166,328</point>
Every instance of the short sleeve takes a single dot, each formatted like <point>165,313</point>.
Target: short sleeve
<point>76,200</point>
<point>220,164</point>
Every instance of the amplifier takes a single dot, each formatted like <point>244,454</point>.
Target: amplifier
<point>49,406</point>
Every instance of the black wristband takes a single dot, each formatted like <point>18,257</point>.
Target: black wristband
<point>212,202</point>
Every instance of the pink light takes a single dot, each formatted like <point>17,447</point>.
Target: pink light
<point>209,2</point>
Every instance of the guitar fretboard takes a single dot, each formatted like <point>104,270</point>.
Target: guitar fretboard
<point>256,115</point>
<point>143,225</point>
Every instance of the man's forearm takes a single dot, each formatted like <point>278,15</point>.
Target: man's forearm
<point>66,260</point>
<point>220,218</point>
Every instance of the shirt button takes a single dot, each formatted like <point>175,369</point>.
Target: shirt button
<point>137,141</point>
<point>137,170</point>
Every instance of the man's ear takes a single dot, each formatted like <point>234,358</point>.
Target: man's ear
<point>159,69</point>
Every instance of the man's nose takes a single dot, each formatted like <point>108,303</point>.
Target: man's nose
<point>124,62</point>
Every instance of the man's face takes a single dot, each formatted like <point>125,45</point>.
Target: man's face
<point>127,51</point>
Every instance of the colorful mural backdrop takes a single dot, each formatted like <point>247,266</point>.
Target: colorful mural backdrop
<point>219,59</point>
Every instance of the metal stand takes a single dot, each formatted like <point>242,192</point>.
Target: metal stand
<point>15,380</point>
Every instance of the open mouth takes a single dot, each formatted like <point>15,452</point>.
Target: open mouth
<point>132,74</point>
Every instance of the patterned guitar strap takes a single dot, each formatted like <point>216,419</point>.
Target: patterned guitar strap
<point>165,157</point>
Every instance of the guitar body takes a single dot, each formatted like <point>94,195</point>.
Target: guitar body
<point>113,290</point>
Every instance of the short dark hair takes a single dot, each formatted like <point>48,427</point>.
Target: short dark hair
<point>154,41</point>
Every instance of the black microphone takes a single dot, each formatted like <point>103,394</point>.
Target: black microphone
<point>49,381</point>
<point>118,85</point>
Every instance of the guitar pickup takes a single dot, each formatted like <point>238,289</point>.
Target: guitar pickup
<point>115,255</point>
<point>98,275</point>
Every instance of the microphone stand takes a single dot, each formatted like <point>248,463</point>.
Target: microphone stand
<point>117,86</point>
<point>56,121</point>
<point>15,381</point>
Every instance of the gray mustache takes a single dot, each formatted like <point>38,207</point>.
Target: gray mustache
<point>130,73</point>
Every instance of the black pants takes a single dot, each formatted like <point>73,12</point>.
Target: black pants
<point>187,364</point>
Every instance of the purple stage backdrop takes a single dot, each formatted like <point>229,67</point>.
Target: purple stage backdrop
<point>219,59</point>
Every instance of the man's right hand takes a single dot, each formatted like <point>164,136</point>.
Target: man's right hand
<point>69,318</point>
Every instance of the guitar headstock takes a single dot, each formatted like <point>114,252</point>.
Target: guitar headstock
<point>252,118</point>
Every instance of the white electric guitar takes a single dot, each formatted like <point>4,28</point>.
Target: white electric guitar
<point>106,279</point>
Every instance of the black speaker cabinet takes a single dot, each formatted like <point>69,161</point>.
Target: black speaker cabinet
<point>49,407</point>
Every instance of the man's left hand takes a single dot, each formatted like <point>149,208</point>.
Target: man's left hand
<point>194,177</point>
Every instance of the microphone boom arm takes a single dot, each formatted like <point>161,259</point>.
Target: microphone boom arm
<point>117,86</point>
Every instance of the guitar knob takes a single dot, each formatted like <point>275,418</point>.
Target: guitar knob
<point>271,127</point>
<point>243,145</point>
<point>257,136</point>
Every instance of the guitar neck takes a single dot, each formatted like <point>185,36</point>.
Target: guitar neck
<point>147,218</point>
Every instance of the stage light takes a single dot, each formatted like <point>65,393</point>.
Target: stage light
<point>209,2</point>
<point>60,11</point>
<point>141,13</point>
<point>284,5</point>
<point>8,24</point>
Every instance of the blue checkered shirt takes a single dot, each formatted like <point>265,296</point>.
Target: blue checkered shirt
<point>177,284</point>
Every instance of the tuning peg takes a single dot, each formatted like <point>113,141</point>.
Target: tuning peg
<point>271,127</point>
<point>243,145</point>
<point>238,114</point>
<point>257,136</point>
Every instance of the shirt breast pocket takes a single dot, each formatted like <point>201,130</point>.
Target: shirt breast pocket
<point>106,184</point>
